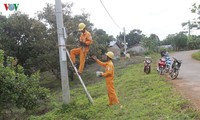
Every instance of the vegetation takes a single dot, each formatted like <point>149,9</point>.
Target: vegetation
<point>178,41</point>
<point>194,43</point>
<point>196,55</point>
<point>195,23</point>
<point>133,38</point>
<point>18,90</point>
<point>151,43</point>
<point>32,43</point>
<point>142,97</point>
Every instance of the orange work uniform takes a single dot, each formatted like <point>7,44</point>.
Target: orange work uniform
<point>109,76</point>
<point>82,50</point>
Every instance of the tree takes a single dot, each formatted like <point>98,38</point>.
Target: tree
<point>195,23</point>
<point>50,56</point>
<point>168,40</point>
<point>195,43</point>
<point>151,43</point>
<point>196,9</point>
<point>19,37</point>
<point>17,89</point>
<point>132,38</point>
<point>101,41</point>
<point>34,41</point>
<point>178,41</point>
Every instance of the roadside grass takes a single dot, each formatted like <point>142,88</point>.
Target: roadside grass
<point>142,97</point>
<point>196,55</point>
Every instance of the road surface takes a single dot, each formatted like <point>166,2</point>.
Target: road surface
<point>188,81</point>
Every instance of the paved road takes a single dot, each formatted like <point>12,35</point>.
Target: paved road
<point>188,81</point>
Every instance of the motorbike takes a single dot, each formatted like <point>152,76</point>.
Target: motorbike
<point>168,64</point>
<point>175,68</point>
<point>161,66</point>
<point>147,65</point>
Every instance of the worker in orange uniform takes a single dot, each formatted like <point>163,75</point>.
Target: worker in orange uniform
<point>109,76</point>
<point>83,49</point>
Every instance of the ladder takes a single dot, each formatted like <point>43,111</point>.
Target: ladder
<point>87,93</point>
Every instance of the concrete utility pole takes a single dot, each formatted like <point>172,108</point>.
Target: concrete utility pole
<point>189,28</point>
<point>125,45</point>
<point>62,52</point>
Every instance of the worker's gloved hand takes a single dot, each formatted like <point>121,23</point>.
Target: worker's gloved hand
<point>82,44</point>
<point>101,74</point>
<point>94,57</point>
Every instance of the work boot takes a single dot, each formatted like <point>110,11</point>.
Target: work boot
<point>79,73</point>
<point>76,65</point>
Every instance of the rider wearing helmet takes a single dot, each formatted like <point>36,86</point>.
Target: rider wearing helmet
<point>83,49</point>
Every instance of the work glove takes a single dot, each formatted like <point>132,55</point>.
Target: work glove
<point>82,44</point>
<point>94,57</point>
<point>101,75</point>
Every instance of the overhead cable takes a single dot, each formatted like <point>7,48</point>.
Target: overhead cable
<point>110,15</point>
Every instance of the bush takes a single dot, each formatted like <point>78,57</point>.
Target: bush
<point>196,55</point>
<point>194,45</point>
<point>18,90</point>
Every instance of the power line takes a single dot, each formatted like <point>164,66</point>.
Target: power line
<point>110,15</point>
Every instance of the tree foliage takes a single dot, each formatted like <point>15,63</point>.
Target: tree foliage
<point>34,41</point>
<point>19,38</point>
<point>178,41</point>
<point>195,43</point>
<point>50,57</point>
<point>17,89</point>
<point>196,9</point>
<point>151,43</point>
<point>101,42</point>
<point>134,37</point>
<point>195,23</point>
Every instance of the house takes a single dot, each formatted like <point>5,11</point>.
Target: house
<point>115,47</point>
<point>136,49</point>
<point>168,47</point>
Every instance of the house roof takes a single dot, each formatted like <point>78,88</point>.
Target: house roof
<point>118,43</point>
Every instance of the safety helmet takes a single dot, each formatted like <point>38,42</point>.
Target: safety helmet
<point>81,26</point>
<point>110,54</point>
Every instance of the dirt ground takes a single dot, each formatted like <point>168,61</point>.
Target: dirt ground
<point>188,81</point>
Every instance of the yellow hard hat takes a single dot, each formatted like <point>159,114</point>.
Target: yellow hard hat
<point>110,54</point>
<point>81,26</point>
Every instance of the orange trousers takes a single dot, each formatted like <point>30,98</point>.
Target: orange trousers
<point>83,53</point>
<point>111,92</point>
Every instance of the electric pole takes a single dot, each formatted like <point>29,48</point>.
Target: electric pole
<point>189,27</point>
<point>61,33</point>
<point>125,45</point>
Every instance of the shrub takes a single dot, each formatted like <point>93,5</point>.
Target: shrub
<point>18,90</point>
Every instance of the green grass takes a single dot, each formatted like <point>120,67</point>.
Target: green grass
<point>142,97</point>
<point>196,55</point>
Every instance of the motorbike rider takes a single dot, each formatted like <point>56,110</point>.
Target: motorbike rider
<point>164,53</point>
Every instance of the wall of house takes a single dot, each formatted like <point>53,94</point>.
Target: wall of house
<point>137,49</point>
<point>116,50</point>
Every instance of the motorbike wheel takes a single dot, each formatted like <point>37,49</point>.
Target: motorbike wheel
<point>174,74</point>
<point>167,69</point>
<point>161,70</point>
<point>147,69</point>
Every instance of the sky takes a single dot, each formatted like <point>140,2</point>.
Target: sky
<point>160,17</point>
